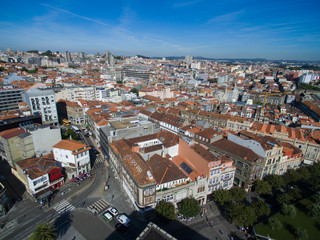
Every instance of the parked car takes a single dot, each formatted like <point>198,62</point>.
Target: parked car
<point>113,211</point>
<point>66,191</point>
<point>123,219</point>
<point>107,216</point>
<point>94,151</point>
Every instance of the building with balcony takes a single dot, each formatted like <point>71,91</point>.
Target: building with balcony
<point>43,103</point>
<point>73,156</point>
<point>40,175</point>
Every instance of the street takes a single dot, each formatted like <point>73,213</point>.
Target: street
<point>77,213</point>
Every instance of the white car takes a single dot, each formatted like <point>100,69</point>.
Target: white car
<point>123,219</point>
<point>113,211</point>
<point>107,216</point>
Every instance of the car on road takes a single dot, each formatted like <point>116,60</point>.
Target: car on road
<point>113,211</point>
<point>123,219</point>
<point>95,152</point>
<point>66,191</point>
<point>107,216</point>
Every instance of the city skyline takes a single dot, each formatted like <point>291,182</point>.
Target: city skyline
<point>229,29</point>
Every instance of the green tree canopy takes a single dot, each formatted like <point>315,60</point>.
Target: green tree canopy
<point>44,231</point>
<point>242,215</point>
<point>69,133</point>
<point>302,233</point>
<point>284,198</point>
<point>275,181</point>
<point>222,196</point>
<point>33,51</point>
<point>288,210</point>
<point>260,208</point>
<point>33,70</point>
<point>189,207</point>
<point>262,187</point>
<point>47,53</point>
<point>291,176</point>
<point>314,210</point>
<point>238,194</point>
<point>316,197</point>
<point>274,223</point>
<point>166,210</point>
<point>134,90</point>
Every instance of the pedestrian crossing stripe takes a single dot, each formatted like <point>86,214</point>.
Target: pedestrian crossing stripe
<point>63,206</point>
<point>98,205</point>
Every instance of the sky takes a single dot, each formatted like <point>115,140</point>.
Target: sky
<point>274,29</point>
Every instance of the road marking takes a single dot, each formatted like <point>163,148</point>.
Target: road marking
<point>98,206</point>
<point>63,206</point>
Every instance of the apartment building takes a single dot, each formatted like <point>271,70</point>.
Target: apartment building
<point>295,136</point>
<point>40,175</point>
<point>42,102</point>
<point>177,169</point>
<point>125,127</point>
<point>248,164</point>
<point>73,156</point>
<point>10,98</point>
<point>266,147</point>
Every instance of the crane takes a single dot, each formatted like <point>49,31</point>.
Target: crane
<point>265,99</point>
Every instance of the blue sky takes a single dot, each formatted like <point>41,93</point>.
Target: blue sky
<point>218,29</point>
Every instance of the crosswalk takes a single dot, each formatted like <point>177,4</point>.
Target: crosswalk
<point>63,206</point>
<point>99,160</point>
<point>98,206</point>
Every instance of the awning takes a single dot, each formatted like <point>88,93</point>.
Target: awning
<point>43,194</point>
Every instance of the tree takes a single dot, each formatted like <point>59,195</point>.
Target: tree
<point>275,181</point>
<point>189,207</point>
<point>33,70</point>
<point>166,210</point>
<point>316,197</point>
<point>262,187</point>
<point>119,82</point>
<point>238,194</point>
<point>69,132</point>
<point>304,173</point>
<point>44,231</point>
<point>47,53</point>
<point>260,208</point>
<point>33,51</point>
<point>288,210</point>
<point>314,210</point>
<point>222,196</point>
<point>242,215</point>
<point>284,198</point>
<point>291,176</point>
<point>295,194</point>
<point>301,233</point>
<point>134,90</point>
<point>274,223</point>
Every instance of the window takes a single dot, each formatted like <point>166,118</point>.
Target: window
<point>201,189</point>
<point>168,198</point>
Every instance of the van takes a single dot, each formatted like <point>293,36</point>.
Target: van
<point>76,129</point>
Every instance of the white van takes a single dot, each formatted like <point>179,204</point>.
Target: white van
<point>76,129</point>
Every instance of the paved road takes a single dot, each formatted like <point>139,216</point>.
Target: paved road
<point>78,213</point>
